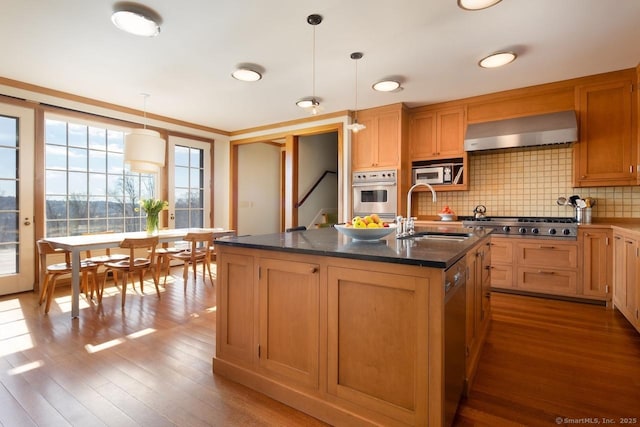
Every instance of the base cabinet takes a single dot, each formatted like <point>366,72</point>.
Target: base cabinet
<point>626,286</point>
<point>289,290</point>
<point>597,261</point>
<point>350,342</point>
<point>478,306</point>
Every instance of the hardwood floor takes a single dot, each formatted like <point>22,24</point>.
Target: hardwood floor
<point>547,361</point>
<point>151,364</point>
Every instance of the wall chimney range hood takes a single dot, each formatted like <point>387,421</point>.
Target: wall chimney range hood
<point>543,129</point>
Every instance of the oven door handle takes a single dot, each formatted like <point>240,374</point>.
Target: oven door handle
<point>373,184</point>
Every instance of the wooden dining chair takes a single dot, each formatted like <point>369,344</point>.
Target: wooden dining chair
<point>101,260</point>
<point>198,252</point>
<point>88,270</point>
<point>133,264</point>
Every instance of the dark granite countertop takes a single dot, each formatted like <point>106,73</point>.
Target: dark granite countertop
<point>329,242</point>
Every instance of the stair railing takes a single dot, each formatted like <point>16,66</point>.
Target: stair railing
<point>313,187</point>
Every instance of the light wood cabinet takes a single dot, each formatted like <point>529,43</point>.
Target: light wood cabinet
<point>548,267</point>
<point>541,266</point>
<point>379,144</point>
<point>606,153</point>
<point>626,288</point>
<point>437,134</point>
<point>478,306</point>
<point>502,262</point>
<point>235,339</point>
<point>597,261</point>
<point>289,290</point>
<point>347,341</point>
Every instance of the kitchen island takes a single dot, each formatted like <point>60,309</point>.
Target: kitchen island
<point>351,332</point>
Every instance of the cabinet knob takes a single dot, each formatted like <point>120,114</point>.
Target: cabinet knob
<point>313,270</point>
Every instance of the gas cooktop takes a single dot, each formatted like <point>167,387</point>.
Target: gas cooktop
<point>556,227</point>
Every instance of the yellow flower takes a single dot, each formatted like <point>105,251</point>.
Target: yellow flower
<point>153,206</point>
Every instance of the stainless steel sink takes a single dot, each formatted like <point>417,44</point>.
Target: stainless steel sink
<point>441,235</point>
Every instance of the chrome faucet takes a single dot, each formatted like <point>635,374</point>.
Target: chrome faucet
<point>433,194</point>
<point>405,226</point>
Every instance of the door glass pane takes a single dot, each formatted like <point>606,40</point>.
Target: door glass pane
<point>9,189</point>
<point>189,187</point>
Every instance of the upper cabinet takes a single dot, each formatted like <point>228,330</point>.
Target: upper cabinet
<point>606,154</point>
<point>437,134</point>
<point>379,145</point>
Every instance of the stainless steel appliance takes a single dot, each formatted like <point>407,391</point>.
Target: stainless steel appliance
<point>446,173</point>
<point>454,338</point>
<point>547,227</point>
<point>375,192</point>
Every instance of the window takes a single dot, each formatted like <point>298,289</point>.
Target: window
<point>88,187</point>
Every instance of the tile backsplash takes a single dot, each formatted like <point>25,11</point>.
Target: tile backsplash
<point>527,182</point>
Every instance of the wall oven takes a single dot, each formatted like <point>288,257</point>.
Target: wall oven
<point>375,192</point>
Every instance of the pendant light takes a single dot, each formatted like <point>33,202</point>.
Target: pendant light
<point>311,102</point>
<point>144,149</point>
<point>356,127</point>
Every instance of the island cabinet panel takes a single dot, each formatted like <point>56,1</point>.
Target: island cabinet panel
<point>236,302</point>
<point>351,342</point>
<point>289,310</point>
<point>606,153</point>
<point>374,357</point>
<point>478,306</point>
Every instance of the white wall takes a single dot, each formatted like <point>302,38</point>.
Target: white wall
<point>258,189</point>
<point>316,154</point>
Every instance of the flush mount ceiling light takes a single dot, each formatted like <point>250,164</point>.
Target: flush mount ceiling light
<point>136,19</point>
<point>144,149</point>
<point>356,127</point>
<point>476,4</point>
<point>312,102</point>
<point>386,86</point>
<point>497,59</point>
<point>246,74</point>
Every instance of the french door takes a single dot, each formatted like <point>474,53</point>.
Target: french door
<point>189,181</point>
<point>17,140</point>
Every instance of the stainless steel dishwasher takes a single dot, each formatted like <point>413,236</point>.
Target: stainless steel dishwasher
<point>454,337</point>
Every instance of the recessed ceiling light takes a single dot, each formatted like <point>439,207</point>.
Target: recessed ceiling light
<point>246,75</point>
<point>497,59</point>
<point>476,4</point>
<point>386,86</point>
<point>136,19</point>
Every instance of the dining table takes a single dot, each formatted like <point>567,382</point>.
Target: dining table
<point>76,245</point>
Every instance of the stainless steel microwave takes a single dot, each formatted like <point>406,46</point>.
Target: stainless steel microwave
<point>434,174</point>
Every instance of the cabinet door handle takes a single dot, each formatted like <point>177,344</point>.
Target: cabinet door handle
<point>313,270</point>
<point>547,247</point>
<point>546,272</point>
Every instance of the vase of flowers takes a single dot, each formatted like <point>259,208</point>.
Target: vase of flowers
<point>153,207</point>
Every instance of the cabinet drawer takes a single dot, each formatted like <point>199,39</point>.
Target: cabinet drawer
<point>501,276</point>
<point>547,280</point>
<point>548,255</point>
<point>501,251</point>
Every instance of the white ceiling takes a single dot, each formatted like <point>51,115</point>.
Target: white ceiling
<point>432,45</point>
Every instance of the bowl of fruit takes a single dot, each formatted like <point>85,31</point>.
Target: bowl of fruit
<point>446,214</point>
<point>369,227</point>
